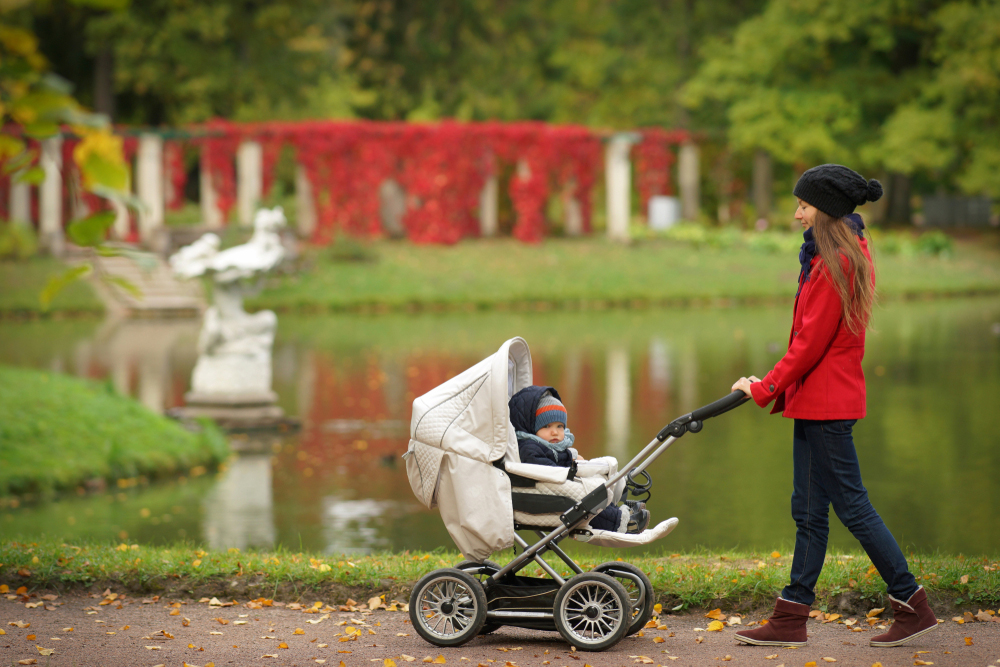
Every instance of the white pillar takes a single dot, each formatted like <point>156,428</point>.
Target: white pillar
<point>249,180</point>
<point>305,205</point>
<point>211,216</point>
<point>572,211</point>
<point>618,399</point>
<point>688,176</point>
<point>489,202</point>
<point>122,219</point>
<point>20,201</point>
<point>618,179</point>
<point>50,196</point>
<point>149,185</point>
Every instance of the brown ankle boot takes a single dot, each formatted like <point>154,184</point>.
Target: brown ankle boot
<point>786,627</point>
<point>910,619</point>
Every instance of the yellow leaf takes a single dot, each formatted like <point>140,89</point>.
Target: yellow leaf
<point>968,641</point>
<point>921,662</point>
<point>45,651</point>
<point>658,608</point>
<point>715,626</point>
<point>3,632</point>
<point>32,638</point>
<point>299,631</point>
<point>428,658</point>
<point>775,554</point>
<point>658,640</point>
<point>874,612</point>
<point>716,614</point>
<point>196,562</point>
<point>28,661</point>
<point>389,662</point>
<point>153,648</point>
<point>829,660</point>
<point>439,660</point>
<point>811,663</point>
<point>374,603</point>
<point>876,664</point>
<point>282,645</point>
<point>407,658</point>
<point>4,588</point>
<point>771,657</point>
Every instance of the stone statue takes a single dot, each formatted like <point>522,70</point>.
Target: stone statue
<point>233,371</point>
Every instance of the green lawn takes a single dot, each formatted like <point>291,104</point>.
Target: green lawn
<point>57,432</point>
<point>732,580</point>
<point>591,272</point>
<point>21,283</point>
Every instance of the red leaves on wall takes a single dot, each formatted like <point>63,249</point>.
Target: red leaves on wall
<point>441,166</point>
<point>654,159</point>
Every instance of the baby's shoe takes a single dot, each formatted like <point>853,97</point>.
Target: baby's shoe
<point>638,520</point>
<point>633,505</point>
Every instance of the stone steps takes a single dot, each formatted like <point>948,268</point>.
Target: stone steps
<point>162,295</point>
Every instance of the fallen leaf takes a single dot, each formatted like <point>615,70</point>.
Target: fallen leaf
<point>698,640</point>
<point>20,624</point>
<point>175,612</point>
<point>299,631</point>
<point>282,645</point>
<point>215,633</point>
<point>32,638</point>
<point>658,640</point>
<point>273,655</point>
<point>771,657</point>
<point>374,604</point>
<point>402,634</point>
<point>439,660</point>
<point>658,608</point>
<point>29,661</point>
<point>45,651</point>
<point>829,660</point>
<point>388,662</point>
<point>222,621</point>
<point>407,658</point>
<point>968,641</point>
<point>153,648</point>
<point>775,554</point>
<point>715,626</point>
<point>811,663</point>
<point>831,617</point>
<point>921,662</point>
<point>716,614</point>
<point>735,620</point>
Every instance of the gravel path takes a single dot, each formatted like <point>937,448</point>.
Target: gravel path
<point>147,632</point>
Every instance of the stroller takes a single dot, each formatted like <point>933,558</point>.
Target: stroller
<point>463,459</point>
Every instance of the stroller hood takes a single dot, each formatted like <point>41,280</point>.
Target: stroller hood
<point>457,430</point>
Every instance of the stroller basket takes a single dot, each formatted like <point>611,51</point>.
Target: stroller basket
<point>461,457</point>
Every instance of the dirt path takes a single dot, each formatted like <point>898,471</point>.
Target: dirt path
<point>84,632</point>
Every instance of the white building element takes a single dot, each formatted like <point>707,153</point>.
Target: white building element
<point>689,179</point>
<point>149,185</point>
<point>50,196</point>
<point>249,180</point>
<point>618,179</point>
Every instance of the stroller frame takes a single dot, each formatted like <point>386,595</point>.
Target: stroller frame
<point>591,610</point>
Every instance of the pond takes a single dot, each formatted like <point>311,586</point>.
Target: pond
<point>929,448</point>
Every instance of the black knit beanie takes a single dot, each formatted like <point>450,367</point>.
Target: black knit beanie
<point>836,190</point>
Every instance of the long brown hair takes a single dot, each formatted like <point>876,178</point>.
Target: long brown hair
<point>835,237</point>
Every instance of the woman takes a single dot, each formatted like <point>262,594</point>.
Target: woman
<point>819,384</point>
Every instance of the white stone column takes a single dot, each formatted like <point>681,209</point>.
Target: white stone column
<point>211,216</point>
<point>249,180</point>
<point>618,403</point>
<point>50,196</point>
<point>688,177</point>
<point>149,185</point>
<point>489,203</point>
<point>618,180</point>
<point>20,201</point>
<point>572,211</point>
<point>305,205</point>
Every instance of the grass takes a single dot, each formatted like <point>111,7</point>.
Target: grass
<point>21,283</point>
<point>733,580</point>
<point>592,272</point>
<point>58,432</point>
<point>689,265</point>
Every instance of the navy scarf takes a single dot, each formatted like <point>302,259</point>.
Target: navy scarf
<point>808,250</point>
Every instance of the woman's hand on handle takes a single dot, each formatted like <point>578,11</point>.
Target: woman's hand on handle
<point>743,384</point>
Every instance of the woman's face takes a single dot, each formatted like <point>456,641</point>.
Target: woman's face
<point>805,214</point>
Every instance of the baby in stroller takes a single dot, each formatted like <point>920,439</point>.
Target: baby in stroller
<point>540,420</point>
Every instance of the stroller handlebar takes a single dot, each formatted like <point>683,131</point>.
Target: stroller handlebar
<point>720,406</point>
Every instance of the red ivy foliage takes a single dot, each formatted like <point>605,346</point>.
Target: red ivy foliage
<point>441,166</point>
<point>654,159</point>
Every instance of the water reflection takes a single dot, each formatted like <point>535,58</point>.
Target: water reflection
<point>933,372</point>
<point>239,510</point>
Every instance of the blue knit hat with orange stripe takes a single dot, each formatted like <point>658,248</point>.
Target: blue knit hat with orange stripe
<point>550,409</point>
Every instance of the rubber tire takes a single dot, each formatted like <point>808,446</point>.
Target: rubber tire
<point>622,598</point>
<point>472,567</point>
<point>475,588</point>
<point>641,615</point>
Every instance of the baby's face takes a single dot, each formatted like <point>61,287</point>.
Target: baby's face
<point>554,432</point>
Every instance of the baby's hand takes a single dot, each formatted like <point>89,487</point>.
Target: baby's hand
<point>580,458</point>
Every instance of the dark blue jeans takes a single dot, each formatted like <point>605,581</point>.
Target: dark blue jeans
<point>827,472</point>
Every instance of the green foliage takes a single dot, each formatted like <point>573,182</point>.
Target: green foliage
<point>935,243</point>
<point>17,241</point>
<point>21,283</point>
<point>57,432</point>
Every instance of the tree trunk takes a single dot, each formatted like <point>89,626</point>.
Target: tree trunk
<point>899,199</point>
<point>104,83</point>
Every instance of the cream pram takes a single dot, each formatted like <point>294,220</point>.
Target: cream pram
<point>463,459</point>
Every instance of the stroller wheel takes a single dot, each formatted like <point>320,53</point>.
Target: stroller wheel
<point>482,572</point>
<point>592,611</point>
<point>639,589</point>
<point>448,607</point>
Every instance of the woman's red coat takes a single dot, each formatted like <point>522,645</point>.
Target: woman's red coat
<point>820,376</point>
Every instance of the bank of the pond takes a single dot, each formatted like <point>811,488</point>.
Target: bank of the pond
<point>62,433</point>
<point>590,272</point>
<point>732,580</point>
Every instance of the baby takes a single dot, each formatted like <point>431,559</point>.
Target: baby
<point>539,419</point>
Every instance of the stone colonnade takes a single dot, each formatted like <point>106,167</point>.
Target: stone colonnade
<point>152,188</point>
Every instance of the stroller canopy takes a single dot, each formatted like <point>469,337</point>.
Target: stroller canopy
<point>457,430</point>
